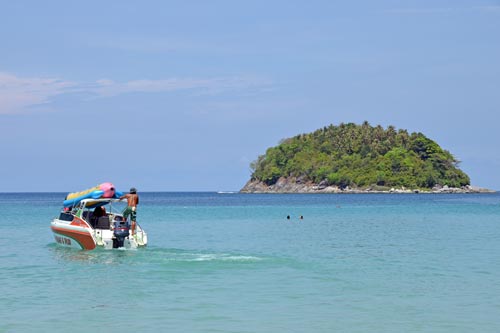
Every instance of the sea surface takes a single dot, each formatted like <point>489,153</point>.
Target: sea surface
<point>230,262</point>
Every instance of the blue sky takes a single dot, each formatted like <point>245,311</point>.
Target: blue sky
<point>183,95</point>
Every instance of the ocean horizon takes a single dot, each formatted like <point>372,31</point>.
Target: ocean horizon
<point>223,261</point>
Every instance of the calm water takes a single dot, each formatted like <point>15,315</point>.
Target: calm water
<point>234,263</point>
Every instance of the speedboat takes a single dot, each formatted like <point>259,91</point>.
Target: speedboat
<point>86,223</point>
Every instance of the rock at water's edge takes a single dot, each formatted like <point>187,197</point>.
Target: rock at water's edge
<point>293,185</point>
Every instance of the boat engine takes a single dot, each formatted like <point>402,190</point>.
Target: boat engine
<point>121,231</point>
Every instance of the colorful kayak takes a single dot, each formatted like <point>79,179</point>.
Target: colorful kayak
<point>104,190</point>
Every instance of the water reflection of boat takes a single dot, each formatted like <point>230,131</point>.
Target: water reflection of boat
<point>92,223</point>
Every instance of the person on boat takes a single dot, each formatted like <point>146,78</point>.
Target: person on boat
<point>96,214</point>
<point>99,211</point>
<point>131,210</point>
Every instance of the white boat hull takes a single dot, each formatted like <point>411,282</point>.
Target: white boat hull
<point>87,238</point>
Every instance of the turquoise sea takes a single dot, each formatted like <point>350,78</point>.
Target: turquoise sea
<point>229,262</point>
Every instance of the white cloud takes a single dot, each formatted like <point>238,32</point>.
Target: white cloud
<point>443,10</point>
<point>492,8</point>
<point>107,87</point>
<point>422,10</point>
<point>18,94</point>
<point>141,44</point>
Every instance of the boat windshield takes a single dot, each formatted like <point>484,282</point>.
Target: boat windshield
<point>113,206</point>
<point>116,207</point>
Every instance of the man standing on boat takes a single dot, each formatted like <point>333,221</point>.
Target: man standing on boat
<point>131,210</point>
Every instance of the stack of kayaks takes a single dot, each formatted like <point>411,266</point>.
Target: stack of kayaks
<point>104,190</point>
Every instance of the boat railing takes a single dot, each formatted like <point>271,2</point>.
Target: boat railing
<point>139,234</point>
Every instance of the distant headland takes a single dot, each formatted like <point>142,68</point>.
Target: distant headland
<point>351,158</point>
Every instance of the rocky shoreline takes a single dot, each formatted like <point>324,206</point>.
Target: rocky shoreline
<point>294,185</point>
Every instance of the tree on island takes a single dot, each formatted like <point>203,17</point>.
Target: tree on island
<point>360,156</point>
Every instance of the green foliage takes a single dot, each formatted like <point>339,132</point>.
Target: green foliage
<point>361,156</point>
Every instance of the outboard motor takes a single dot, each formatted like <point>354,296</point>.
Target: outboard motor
<point>121,231</point>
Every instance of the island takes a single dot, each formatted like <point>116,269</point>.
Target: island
<point>352,158</point>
